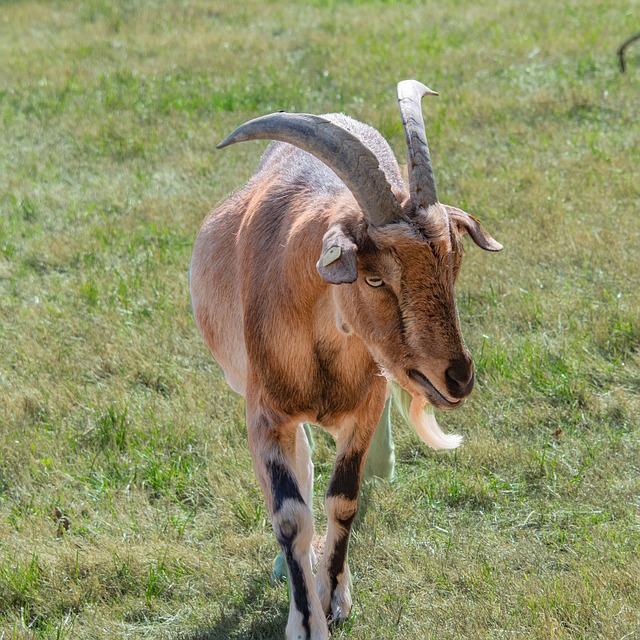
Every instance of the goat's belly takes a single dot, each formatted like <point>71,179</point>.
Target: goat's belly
<point>220,323</point>
<point>215,297</point>
<point>236,380</point>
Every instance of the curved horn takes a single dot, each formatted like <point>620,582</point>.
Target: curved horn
<point>422,184</point>
<point>340,150</point>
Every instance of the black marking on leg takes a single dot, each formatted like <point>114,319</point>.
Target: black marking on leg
<point>283,485</point>
<point>296,581</point>
<point>338,560</point>
<point>346,477</point>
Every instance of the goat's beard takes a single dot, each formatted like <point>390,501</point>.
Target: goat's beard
<point>416,411</point>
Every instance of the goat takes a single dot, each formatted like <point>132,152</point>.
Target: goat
<point>316,340</point>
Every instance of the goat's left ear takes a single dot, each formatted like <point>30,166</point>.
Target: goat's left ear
<point>338,262</point>
<point>472,226</point>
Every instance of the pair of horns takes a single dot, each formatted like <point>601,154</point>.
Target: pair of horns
<point>350,159</point>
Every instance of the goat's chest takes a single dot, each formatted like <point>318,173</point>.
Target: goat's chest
<point>318,376</point>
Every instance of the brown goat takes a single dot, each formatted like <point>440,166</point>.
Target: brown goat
<point>312,286</point>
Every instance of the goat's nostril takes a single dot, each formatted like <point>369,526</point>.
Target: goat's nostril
<point>459,375</point>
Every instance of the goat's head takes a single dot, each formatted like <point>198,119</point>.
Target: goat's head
<point>397,257</point>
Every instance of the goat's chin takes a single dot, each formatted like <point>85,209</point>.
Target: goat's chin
<point>420,385</point>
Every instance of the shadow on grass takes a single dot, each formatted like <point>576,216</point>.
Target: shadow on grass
<point>251,619</point>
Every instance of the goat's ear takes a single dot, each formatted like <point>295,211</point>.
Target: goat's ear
<point>338,262</point>
<point>470,224</point>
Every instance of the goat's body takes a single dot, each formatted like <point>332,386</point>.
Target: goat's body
<point>242,277</point>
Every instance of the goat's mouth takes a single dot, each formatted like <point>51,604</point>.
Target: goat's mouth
<point>430,392</point>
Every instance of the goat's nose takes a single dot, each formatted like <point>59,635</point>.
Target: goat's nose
<point>459,376</point>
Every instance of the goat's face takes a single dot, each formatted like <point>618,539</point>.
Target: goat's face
<point>402,305</point>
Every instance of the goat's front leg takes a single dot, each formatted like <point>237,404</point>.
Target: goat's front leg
<point>304,475</point>
<point>277,459</point>
<point>333,578</point>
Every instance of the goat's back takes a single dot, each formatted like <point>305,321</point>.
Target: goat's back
<point>302,168</point>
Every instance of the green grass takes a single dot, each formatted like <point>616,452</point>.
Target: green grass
<point>114,412</point>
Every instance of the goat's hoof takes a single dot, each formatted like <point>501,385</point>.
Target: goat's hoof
<point>340,607</point>
<point>339,620</point>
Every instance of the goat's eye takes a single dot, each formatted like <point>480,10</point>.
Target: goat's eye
<point>374,282</point>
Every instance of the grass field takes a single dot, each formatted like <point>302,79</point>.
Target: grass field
<point>128,505</point>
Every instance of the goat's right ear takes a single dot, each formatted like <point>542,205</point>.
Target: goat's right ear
<point>338,262</point>
<point>472,226</point>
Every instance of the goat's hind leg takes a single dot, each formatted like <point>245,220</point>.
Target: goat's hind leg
<point>381,457</point>
<point>277,458</point>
